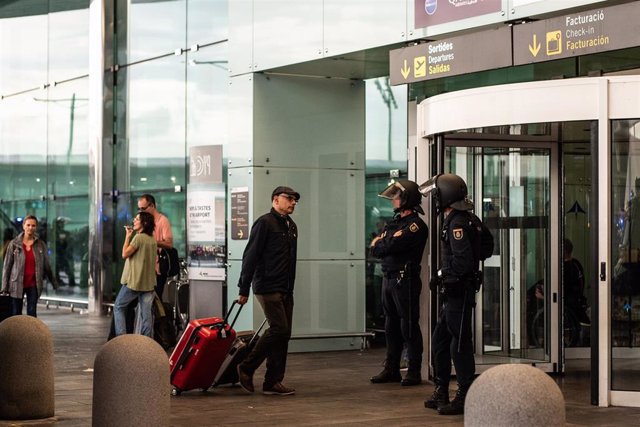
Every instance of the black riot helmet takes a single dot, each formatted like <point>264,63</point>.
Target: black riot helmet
<point>408,193</point>
<point>448,190</point>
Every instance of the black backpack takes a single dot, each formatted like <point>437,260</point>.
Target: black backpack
<point>482,246</point>
<point>483,242</point>
<point>168,261</point>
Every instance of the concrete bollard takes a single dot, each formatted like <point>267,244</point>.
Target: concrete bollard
<point>26,369</point>
<point>514,395</point>
<point>131,383</point>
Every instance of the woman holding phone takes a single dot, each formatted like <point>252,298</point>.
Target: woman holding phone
<point>139,274</point>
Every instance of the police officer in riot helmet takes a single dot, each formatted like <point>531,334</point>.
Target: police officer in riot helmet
<point>400,246</point>
<point>452,338</point>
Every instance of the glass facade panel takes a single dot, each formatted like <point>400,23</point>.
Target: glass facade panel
<point>151,150</point>
<point>68,41</point>
<point>385,151</point>
<point>155,125</point>
<point>207,21</point>
<point>23,148</point>
<point>166,105</point>
<point>68,184</point>
<point>153,28</point>
<point>23,48</point>
<point>286,32</point>
<point>625,246</point>
<point>67,138</point>
<point>44,133</point>
<point>207,87</point>
<point>44,157</point>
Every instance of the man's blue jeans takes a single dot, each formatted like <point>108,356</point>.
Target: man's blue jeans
<point>145,303</point>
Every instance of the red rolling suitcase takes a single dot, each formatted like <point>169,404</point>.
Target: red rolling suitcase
<point>200,352</point>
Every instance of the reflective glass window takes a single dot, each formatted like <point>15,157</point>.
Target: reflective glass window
<point>23,147</point>
<point>150,149</point>
<point>625,247</point>
<point>68,40</point>
<point>23,46</point>
<point>68,239</point>
<point>207,86</point>
<point>67,138</point>
<point>153,28</point>
<point>386,151</point>
<point>155,125</point>
<point>207,21</point>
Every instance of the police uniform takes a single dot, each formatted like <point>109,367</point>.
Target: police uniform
<point>452,337</point>
<point>400,248</point>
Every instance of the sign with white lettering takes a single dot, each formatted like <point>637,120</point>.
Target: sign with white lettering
<point>240,213</point>
<point>206,246</point>
<point>581,33</point>
<point>481,51</point>
<point>201,218</point>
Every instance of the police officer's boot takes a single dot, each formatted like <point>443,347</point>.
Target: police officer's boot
<point>387,375</point>
<point>456,406</point>
<point>412,377</point>
<point>440,397</point>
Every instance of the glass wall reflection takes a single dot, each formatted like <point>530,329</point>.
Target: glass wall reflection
<point>148,29</point>
<point>170,104</point>
<point>625,233</point>
<point>386,155</point>
<point>44,132</point>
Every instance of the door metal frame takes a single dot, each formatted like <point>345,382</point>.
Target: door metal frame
<point>555,348</point>
<point>591,98</point>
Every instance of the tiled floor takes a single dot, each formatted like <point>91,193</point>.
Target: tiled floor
<point>332,389</point>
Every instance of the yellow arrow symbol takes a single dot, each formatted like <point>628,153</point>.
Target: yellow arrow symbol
<point>536,46</point>
<point>405,70</point>
<point>240,234</point>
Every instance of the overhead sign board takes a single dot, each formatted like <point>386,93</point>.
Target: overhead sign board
<point>581,33</point>
<point>469,53</point>
<point>434,12</point>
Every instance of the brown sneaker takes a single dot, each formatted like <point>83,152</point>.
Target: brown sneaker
<point>246,380</point>
<point>279,389</point>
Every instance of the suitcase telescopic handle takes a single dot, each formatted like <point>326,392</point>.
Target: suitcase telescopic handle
<point>226,318</point>
<point>253,338</point>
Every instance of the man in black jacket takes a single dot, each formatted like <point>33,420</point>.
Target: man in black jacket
<point>269,266</point>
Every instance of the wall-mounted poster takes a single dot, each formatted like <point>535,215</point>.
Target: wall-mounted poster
<point>206,239</point>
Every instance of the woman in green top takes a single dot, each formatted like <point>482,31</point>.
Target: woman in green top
<point>139,274</point>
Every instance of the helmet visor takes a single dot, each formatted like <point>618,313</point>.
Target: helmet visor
<point>428,186</point>
<point>393,191</point>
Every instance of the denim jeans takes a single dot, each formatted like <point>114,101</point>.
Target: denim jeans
<point>145,303</point>
<point>32,302</point>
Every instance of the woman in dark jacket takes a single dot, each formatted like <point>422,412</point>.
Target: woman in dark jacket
<point>26,263</point>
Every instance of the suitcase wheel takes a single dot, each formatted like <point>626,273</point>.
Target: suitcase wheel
<point>175,391</point>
